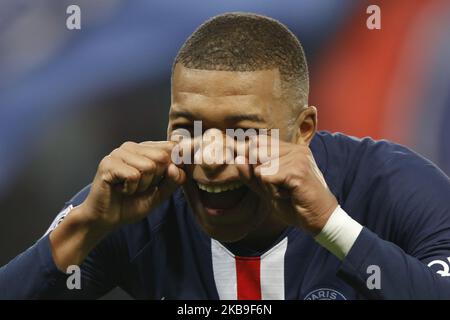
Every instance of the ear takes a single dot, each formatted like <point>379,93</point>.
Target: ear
<point>306,125</point>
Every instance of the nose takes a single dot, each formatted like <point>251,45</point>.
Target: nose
<point>213,154</point>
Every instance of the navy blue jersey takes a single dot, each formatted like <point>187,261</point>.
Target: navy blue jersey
<point>403,251</point>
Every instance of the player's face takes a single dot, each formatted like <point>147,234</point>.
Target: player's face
<point>227,210</point>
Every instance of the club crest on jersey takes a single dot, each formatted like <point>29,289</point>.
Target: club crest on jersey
<point>325,294</point>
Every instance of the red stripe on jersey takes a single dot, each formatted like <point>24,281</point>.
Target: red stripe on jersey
<point>248,276</point>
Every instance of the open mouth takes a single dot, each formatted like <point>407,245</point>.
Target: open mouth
<point>220,198</point>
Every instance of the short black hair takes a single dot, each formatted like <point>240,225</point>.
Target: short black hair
<point>248,42</point>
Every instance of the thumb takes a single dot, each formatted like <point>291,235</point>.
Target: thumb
<point>174,178</point>
<point>246,174</point>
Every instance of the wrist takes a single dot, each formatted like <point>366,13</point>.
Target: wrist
<point>75,237</point>
<point>339,234</point>
<point>84,218</point>
<point>321,218</point>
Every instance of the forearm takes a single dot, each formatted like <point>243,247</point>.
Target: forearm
<point>75,238</point>
<point>32,274</point>
<point>379,269</point>
<point>382,270</point>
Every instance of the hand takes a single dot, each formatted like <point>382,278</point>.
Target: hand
<point>130,182</point>
<point>296,193</point>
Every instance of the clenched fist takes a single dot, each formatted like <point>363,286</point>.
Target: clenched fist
<point>296,193</point>
<point>131,181</point>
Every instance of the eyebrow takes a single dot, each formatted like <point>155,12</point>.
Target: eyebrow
<point>244,117</point>
<point>230,118</point>
<point>181,114</point>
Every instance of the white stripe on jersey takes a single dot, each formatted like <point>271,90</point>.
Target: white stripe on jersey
<point>224,268</point>
<point>271,271</point>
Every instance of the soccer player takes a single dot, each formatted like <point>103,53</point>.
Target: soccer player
<point>341,218</point>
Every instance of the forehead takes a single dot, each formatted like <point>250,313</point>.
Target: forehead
<point>216,83</point>
<point>222,98</point>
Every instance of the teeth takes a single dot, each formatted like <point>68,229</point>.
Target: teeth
<point>220,188</point>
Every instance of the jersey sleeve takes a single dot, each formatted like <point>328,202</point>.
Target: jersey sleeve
<point>410,257</point>
<point>34,275</point>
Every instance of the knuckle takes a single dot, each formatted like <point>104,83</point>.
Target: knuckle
<point>157,154</point>
<point>150,166</point>
<point>293,181</point>
<point>163,156</point>
<point>300,165</point>
<point>134,175</point>
<point>299,174</point>
<point>115,152</point>
<point>105,163</point>
<point>128,144</point>
<point>172,143</point>
<point>105,176</point>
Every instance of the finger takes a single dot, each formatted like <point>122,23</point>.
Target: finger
<point>176,174</point>
<point>246,174</point>
<point>262,183</point>
<point>183,152</point>
<point>146,166</point>
<point>272,184</point>
<point>173,179</point>
<point>156,152</point>
<point>265,148</point>
<point>163,145</point>
<point>136,160</point>
<point>117,173</point>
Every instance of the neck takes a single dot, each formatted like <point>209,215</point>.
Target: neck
<point>264,236</point>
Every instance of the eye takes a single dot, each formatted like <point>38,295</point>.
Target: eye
<point>180,132</point>
<point>243,133</point>
<point>245,129</point>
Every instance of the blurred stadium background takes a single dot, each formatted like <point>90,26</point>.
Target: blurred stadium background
<point>67,98</point>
